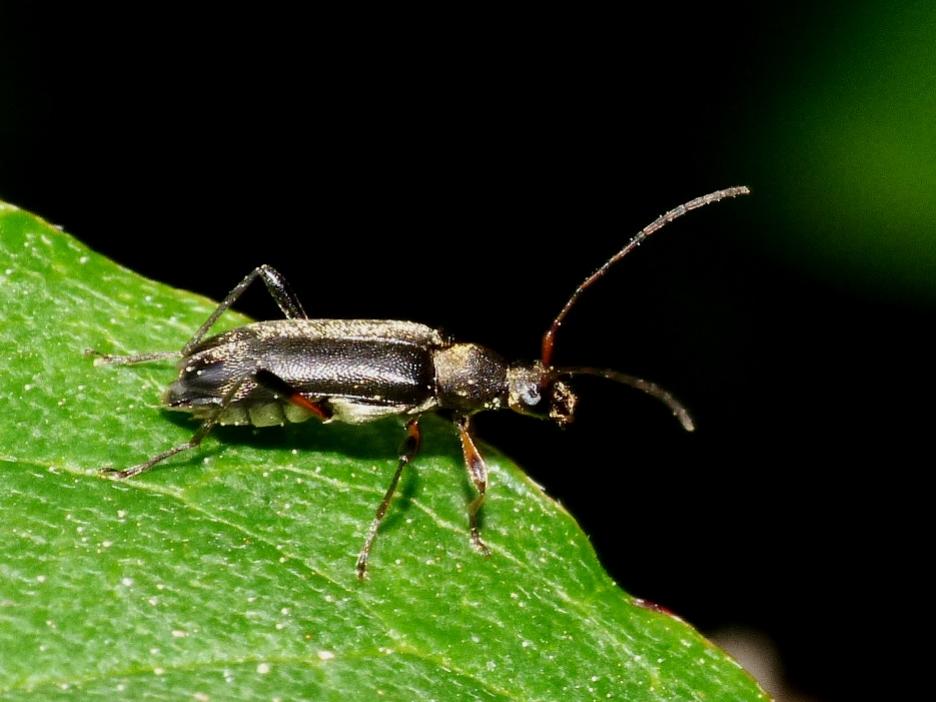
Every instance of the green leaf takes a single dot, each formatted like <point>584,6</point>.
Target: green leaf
<point>228,572</point>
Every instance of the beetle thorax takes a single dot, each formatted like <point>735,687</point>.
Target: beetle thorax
<point>470,378</point>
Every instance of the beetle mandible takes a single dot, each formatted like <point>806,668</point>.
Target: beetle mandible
<point>357,371</point>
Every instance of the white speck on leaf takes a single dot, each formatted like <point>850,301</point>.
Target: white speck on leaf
<point>263,668</point>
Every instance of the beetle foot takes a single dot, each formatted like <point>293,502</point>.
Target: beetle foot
<point>361,567</point>
<point>478,544</point>
<point>118,473</point>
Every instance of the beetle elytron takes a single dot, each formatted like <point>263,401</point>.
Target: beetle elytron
<point>357,371</point>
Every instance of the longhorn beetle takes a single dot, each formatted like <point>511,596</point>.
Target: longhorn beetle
<point>357,371</point>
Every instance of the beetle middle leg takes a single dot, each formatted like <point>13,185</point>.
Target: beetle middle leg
<point>408,451</point>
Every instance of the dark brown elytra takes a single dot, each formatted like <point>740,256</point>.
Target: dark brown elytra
<point>357,371</point>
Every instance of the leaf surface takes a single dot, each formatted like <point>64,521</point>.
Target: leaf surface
<point>228,572</point>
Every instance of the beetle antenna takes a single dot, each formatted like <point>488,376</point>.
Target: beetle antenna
<point>645,386</point>
<point>549,338</point>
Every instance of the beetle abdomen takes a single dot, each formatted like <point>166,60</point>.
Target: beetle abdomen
<point>262,414</point>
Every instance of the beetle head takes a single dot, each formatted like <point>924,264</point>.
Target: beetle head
<point>533,390</point>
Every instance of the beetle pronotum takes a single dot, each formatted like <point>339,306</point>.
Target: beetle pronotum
<point>357,371</point>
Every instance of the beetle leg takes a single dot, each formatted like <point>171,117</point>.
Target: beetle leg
<point>276,284</point>
<point>281,293</point>
<point>273,382</point>
<point>196,439</point>
<point>407,451</point>
<point>477,471</point>
<point>102,359</point>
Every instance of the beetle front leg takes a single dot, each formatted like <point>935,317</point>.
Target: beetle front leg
<point>408,451</point>
<point>477,471</point>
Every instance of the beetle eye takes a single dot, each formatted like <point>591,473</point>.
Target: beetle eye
<point>530,395</point>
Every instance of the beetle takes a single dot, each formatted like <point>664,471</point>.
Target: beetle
<point>357,371</point>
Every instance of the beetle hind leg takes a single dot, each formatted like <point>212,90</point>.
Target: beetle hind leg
<point>197,437</point>
<point>276,285</point>
<point>107,359</point>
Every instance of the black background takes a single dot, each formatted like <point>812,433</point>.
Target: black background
<point>466,171</point>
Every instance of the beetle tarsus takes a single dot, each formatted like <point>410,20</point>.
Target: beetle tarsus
<point>120,474</point>
<point>476,541</point>
<point>106,359</point>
